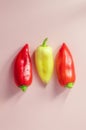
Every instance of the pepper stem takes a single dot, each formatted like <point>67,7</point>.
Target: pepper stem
<point>69,85</point>
<point>44,42</point>
<point>23,88</point>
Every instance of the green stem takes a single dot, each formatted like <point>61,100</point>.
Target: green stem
<point>69,85</point>
<point>44,42</point>
<point>23,88</point>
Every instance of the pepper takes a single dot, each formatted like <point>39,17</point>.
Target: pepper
<point>65,67</point>
<point>44,61</point>
<point>23,68</point>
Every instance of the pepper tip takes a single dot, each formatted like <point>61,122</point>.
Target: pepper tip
<point>63,44</point>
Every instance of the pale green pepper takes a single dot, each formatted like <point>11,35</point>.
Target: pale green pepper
<point>44,61</point>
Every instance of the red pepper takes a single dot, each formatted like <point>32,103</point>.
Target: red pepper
<point>65,67</point>
<point>23,68</point>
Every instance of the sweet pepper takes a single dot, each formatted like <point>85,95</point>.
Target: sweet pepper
<point>44,61</point>
<point>23,68</point>
<point>65,67</point>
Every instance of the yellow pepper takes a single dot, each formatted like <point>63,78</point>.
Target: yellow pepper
<point>44,61</point>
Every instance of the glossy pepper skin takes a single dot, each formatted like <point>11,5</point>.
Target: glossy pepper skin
<point>23,68</point>
<point>44,62</point>
<point>65,67</point>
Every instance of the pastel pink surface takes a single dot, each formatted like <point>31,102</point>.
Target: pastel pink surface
<point>51,107</point>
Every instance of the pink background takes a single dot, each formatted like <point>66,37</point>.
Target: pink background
<point>51,107</point>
